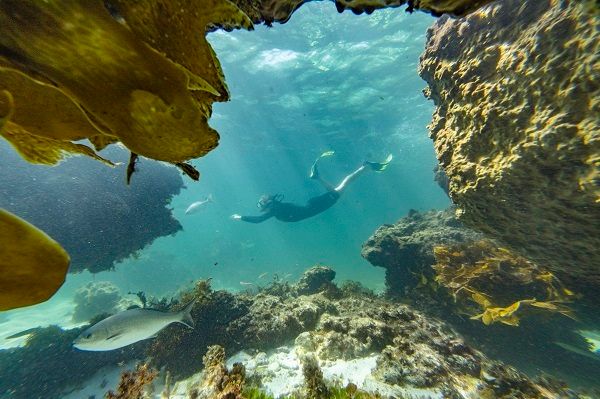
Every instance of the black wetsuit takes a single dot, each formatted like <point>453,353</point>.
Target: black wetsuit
<point>288,212</point>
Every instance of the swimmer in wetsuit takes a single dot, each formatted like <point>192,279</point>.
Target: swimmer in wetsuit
<point>273,206</point>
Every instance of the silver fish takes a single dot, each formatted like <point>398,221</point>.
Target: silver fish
<point>196,206</point>
<point>130,326</point>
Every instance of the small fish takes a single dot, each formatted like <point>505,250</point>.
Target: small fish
<point>24,333</point>
<point>196,206</point>
<point>245,283</point>
<point>130,326</point>
<point>582,352</point>
<point>263,275</point>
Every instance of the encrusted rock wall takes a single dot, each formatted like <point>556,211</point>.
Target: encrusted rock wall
<point>269,11</point>
<point>405,249</point>
<point>87,207</point>
<point>517,126</point>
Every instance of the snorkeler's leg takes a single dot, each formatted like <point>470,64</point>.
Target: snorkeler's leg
<point>376,166</point>
<point>328,186</point>
<point>346,180</point>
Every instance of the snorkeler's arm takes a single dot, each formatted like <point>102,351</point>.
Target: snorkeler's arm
<point>256,219</point>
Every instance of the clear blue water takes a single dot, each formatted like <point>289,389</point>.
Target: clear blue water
<point>307,87</point>
<point>321,82</point>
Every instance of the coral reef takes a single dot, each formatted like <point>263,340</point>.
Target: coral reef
<point>133,383</point>
<point>516,127</point>
<point>314,280</point>
<point>405,249</point>
<point>408,349</point>
<point>32,265</point>
<point>96,298</point>
<point>92,208</point>
<point>217,381</point>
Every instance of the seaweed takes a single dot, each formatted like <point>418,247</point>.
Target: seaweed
<point>48,364</point>
<point>161,62</point>
<point>133,383</point>
<point>313,378</point>
<point>33,265</point>
<point>499,282</point>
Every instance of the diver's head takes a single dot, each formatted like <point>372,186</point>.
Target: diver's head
<point>266,201</point>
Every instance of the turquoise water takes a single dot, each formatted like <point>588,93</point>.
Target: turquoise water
<point>321,82</point>
<point>307,87</point>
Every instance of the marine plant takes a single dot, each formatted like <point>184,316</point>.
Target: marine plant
<point>48,364</point>
<point>483,274</point>
<point>32,265</point>
<point>148,82</point>
<point>213,314</point>
<point>133,383</point>
<point>314,384</point>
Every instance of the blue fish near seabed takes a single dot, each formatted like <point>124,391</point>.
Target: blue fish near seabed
<point>128,327</point>
<point>198,205</point>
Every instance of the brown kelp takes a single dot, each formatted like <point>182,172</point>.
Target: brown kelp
<point>112,75</point>
<point>133,384</point>
<point>32,265</point>
<point>498,281</point>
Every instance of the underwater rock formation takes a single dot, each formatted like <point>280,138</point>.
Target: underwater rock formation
<point>97,298</point>
<point>88,209</point>
<point>269,11</point>
<point>497,280</point>
<point>314,279</point>
<point>516,127</point>
<point>405,249</point>
<point>412,349</point>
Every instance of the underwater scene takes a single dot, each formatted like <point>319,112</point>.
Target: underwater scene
<point>253,199</point>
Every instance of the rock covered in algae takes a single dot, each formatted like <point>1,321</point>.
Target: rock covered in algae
<point>32,265</point>
<point>314,279</point>
<point>138,72</point>
<point>97,298</point>
<point>270,11</point>
<point>86,206</point>
<point>517,128</point>
<point>412,349</point>
<point>405,249</point>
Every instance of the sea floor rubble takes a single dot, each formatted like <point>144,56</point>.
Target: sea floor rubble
<point>346,338</point>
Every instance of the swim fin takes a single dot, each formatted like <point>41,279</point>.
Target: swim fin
<point>314,172</point>
<point>380,166</point>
